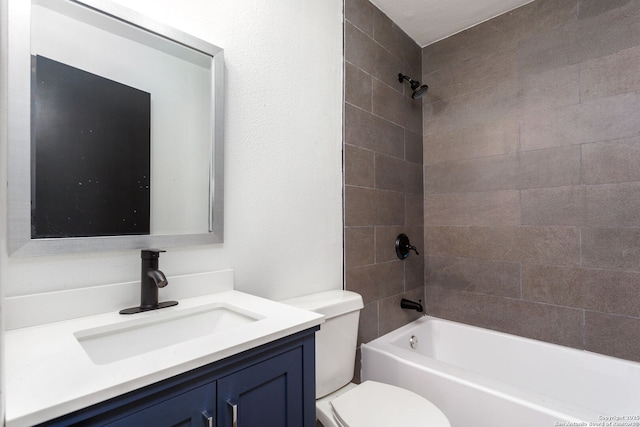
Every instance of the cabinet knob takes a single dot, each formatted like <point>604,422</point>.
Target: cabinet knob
<point>234,413</point>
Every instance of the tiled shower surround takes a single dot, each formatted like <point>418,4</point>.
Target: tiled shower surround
<point>383,168</point>
<point>530,201</point>
<point>532,174</point>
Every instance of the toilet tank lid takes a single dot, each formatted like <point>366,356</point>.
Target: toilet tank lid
<point>328,303</point>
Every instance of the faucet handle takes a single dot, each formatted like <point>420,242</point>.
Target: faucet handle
<point>403,246</point>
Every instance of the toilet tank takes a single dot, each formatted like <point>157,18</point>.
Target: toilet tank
<point>337,339</point>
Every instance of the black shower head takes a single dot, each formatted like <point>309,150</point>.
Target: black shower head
<point>418,90</point>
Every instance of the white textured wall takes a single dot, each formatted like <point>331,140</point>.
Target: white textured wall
<point>283,214</point>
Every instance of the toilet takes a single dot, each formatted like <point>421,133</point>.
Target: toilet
<point>341,403</point>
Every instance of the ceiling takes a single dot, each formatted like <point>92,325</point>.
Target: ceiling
<point>427,21</point>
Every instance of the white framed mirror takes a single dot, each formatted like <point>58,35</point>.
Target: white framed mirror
<point>173,195</point>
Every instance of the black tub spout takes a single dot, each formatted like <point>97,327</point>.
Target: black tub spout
<point>411,305</point>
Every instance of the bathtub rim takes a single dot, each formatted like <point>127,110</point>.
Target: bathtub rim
<point>563,410</point>
<point>425,318</point>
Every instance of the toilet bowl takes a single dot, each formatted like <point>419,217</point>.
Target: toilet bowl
<point>341,403</point>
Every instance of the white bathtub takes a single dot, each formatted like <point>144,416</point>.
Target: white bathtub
<point>483,378</point>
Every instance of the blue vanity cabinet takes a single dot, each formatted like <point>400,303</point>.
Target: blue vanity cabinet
<point>267,394</point>
<point>190,409</point>
<point>272,385</point>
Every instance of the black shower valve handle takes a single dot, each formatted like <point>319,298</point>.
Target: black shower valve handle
<point>403,246</point>
<point>413,248</point>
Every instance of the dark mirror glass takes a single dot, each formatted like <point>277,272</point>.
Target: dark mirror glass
<point>90,154</point>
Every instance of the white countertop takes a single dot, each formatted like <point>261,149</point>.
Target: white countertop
<point>48,373</point>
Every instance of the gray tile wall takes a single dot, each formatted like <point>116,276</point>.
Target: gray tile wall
<point>532,176</point>
<point>383,168</point>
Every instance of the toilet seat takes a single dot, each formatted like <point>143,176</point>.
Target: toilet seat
<point>374,404</point>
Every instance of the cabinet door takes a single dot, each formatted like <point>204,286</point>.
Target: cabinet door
<point>194,408</point>
<point>268,394</point>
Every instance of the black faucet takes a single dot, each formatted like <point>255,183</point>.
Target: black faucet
<point>151,278</point>
<point>411,305</point>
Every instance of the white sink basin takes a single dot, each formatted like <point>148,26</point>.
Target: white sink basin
<point>157,329</point>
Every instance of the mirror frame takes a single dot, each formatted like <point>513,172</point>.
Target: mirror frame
<point>18,57</point>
